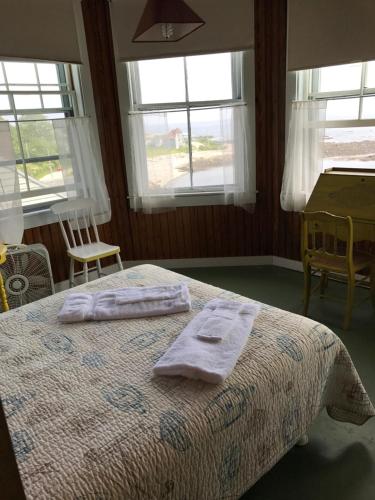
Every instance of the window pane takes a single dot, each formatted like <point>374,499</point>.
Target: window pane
<point>20,72</point>
<point>31,101</point>
<point>4,102</point>
<point>368,107</point>
<point>38,138</point>
<point>212,147</point>
<point>342,109</point>
<point>44,174</point>
<point>2,79</point>
<point>209,77</point>
<point>370,80</point>
<point>349,147</point>
<point>47,73</point>
<point>162,80</point>
<point>15,138</point>
<point>345,77</point>
<point>167,149</point>
<point>52,101</point>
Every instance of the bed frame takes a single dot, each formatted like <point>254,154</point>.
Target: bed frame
<point>10,481</point>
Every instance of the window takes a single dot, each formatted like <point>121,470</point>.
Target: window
<point>31,95</point>
<point>349,139</point>
<point>183,117</point>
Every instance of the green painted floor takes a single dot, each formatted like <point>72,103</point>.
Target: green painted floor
<point>339,461</point>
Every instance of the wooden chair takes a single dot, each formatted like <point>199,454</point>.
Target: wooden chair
<point>78,226</point>
<point>327,247</point>
<point>3,295</point>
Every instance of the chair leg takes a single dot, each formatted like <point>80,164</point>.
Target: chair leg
<point>119,261</point>
<point>86,272</point>
<point>323,283</point>
<point>99,268</point>
<point>349,302</point>
<point>307,289</point>
<point>71,273</point>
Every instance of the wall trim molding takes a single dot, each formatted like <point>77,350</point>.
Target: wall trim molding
<point>261,260</point>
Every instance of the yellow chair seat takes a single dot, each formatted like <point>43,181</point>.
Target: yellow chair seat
<point>93,251</point>
<point>336,264</point>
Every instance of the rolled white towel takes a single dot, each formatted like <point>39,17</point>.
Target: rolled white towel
<point>212,362</point>
<point>77,307</point>
<point>122,304</point>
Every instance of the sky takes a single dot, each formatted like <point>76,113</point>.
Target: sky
<point>209,78</point>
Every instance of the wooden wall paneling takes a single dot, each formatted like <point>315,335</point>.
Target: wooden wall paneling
<point>209,230</point>
<point>241,235</point>
<point>97,24</point>
<point>150,234</point>
<point>159,251</point>
<point>176,233</point>
<point>187,231</point>
<point>164,231</point>
<point>217,231</point>
<point>270,73</point>
<point>191,231</point>
<point>233,222</point>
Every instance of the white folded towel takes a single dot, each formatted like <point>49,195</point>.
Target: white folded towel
<point>213,362</point>
<point>126,303</point>
<point>140,294</point>
<point>221,320</point>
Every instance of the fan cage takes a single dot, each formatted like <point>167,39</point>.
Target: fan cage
<point>27,274</point>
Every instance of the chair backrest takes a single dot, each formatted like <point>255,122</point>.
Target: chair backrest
<point>327,235</point>
<point>77,221</point>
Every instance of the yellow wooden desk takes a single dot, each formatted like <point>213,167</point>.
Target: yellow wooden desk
<point>344,192</point>
<point>4,301</point>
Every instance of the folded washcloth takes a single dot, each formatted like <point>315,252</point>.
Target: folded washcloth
<point>122,303</point>
<point>212,362</point>
<point>221,320</point>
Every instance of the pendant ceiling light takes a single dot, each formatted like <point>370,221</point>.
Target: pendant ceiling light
<point>166,21</point>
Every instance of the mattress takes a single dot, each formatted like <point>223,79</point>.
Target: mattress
<point>88,420</point>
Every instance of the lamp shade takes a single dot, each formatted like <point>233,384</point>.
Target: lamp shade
<point>166,21</point>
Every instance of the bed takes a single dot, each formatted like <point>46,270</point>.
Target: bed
<point>89,421</point>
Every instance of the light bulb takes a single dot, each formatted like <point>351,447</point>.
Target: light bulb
<point>167,30</point>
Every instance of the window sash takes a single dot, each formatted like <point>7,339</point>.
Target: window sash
<point>136,107</point>
<point>361,93</point>
<point>308,82</point>
<point>135,88</point>
<point>68,108</point>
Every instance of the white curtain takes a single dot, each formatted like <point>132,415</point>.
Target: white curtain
<point>240,187</point>
<point>221,156</point>
<point>81,164</point>
<point>11,215</point>
<point>304,155</point>
<point>151,186</point>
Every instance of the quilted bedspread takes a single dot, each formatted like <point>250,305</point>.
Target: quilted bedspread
<point>88,420</point>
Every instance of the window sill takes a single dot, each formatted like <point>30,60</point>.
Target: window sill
<point>193,200</point>
<point>39,218</point>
